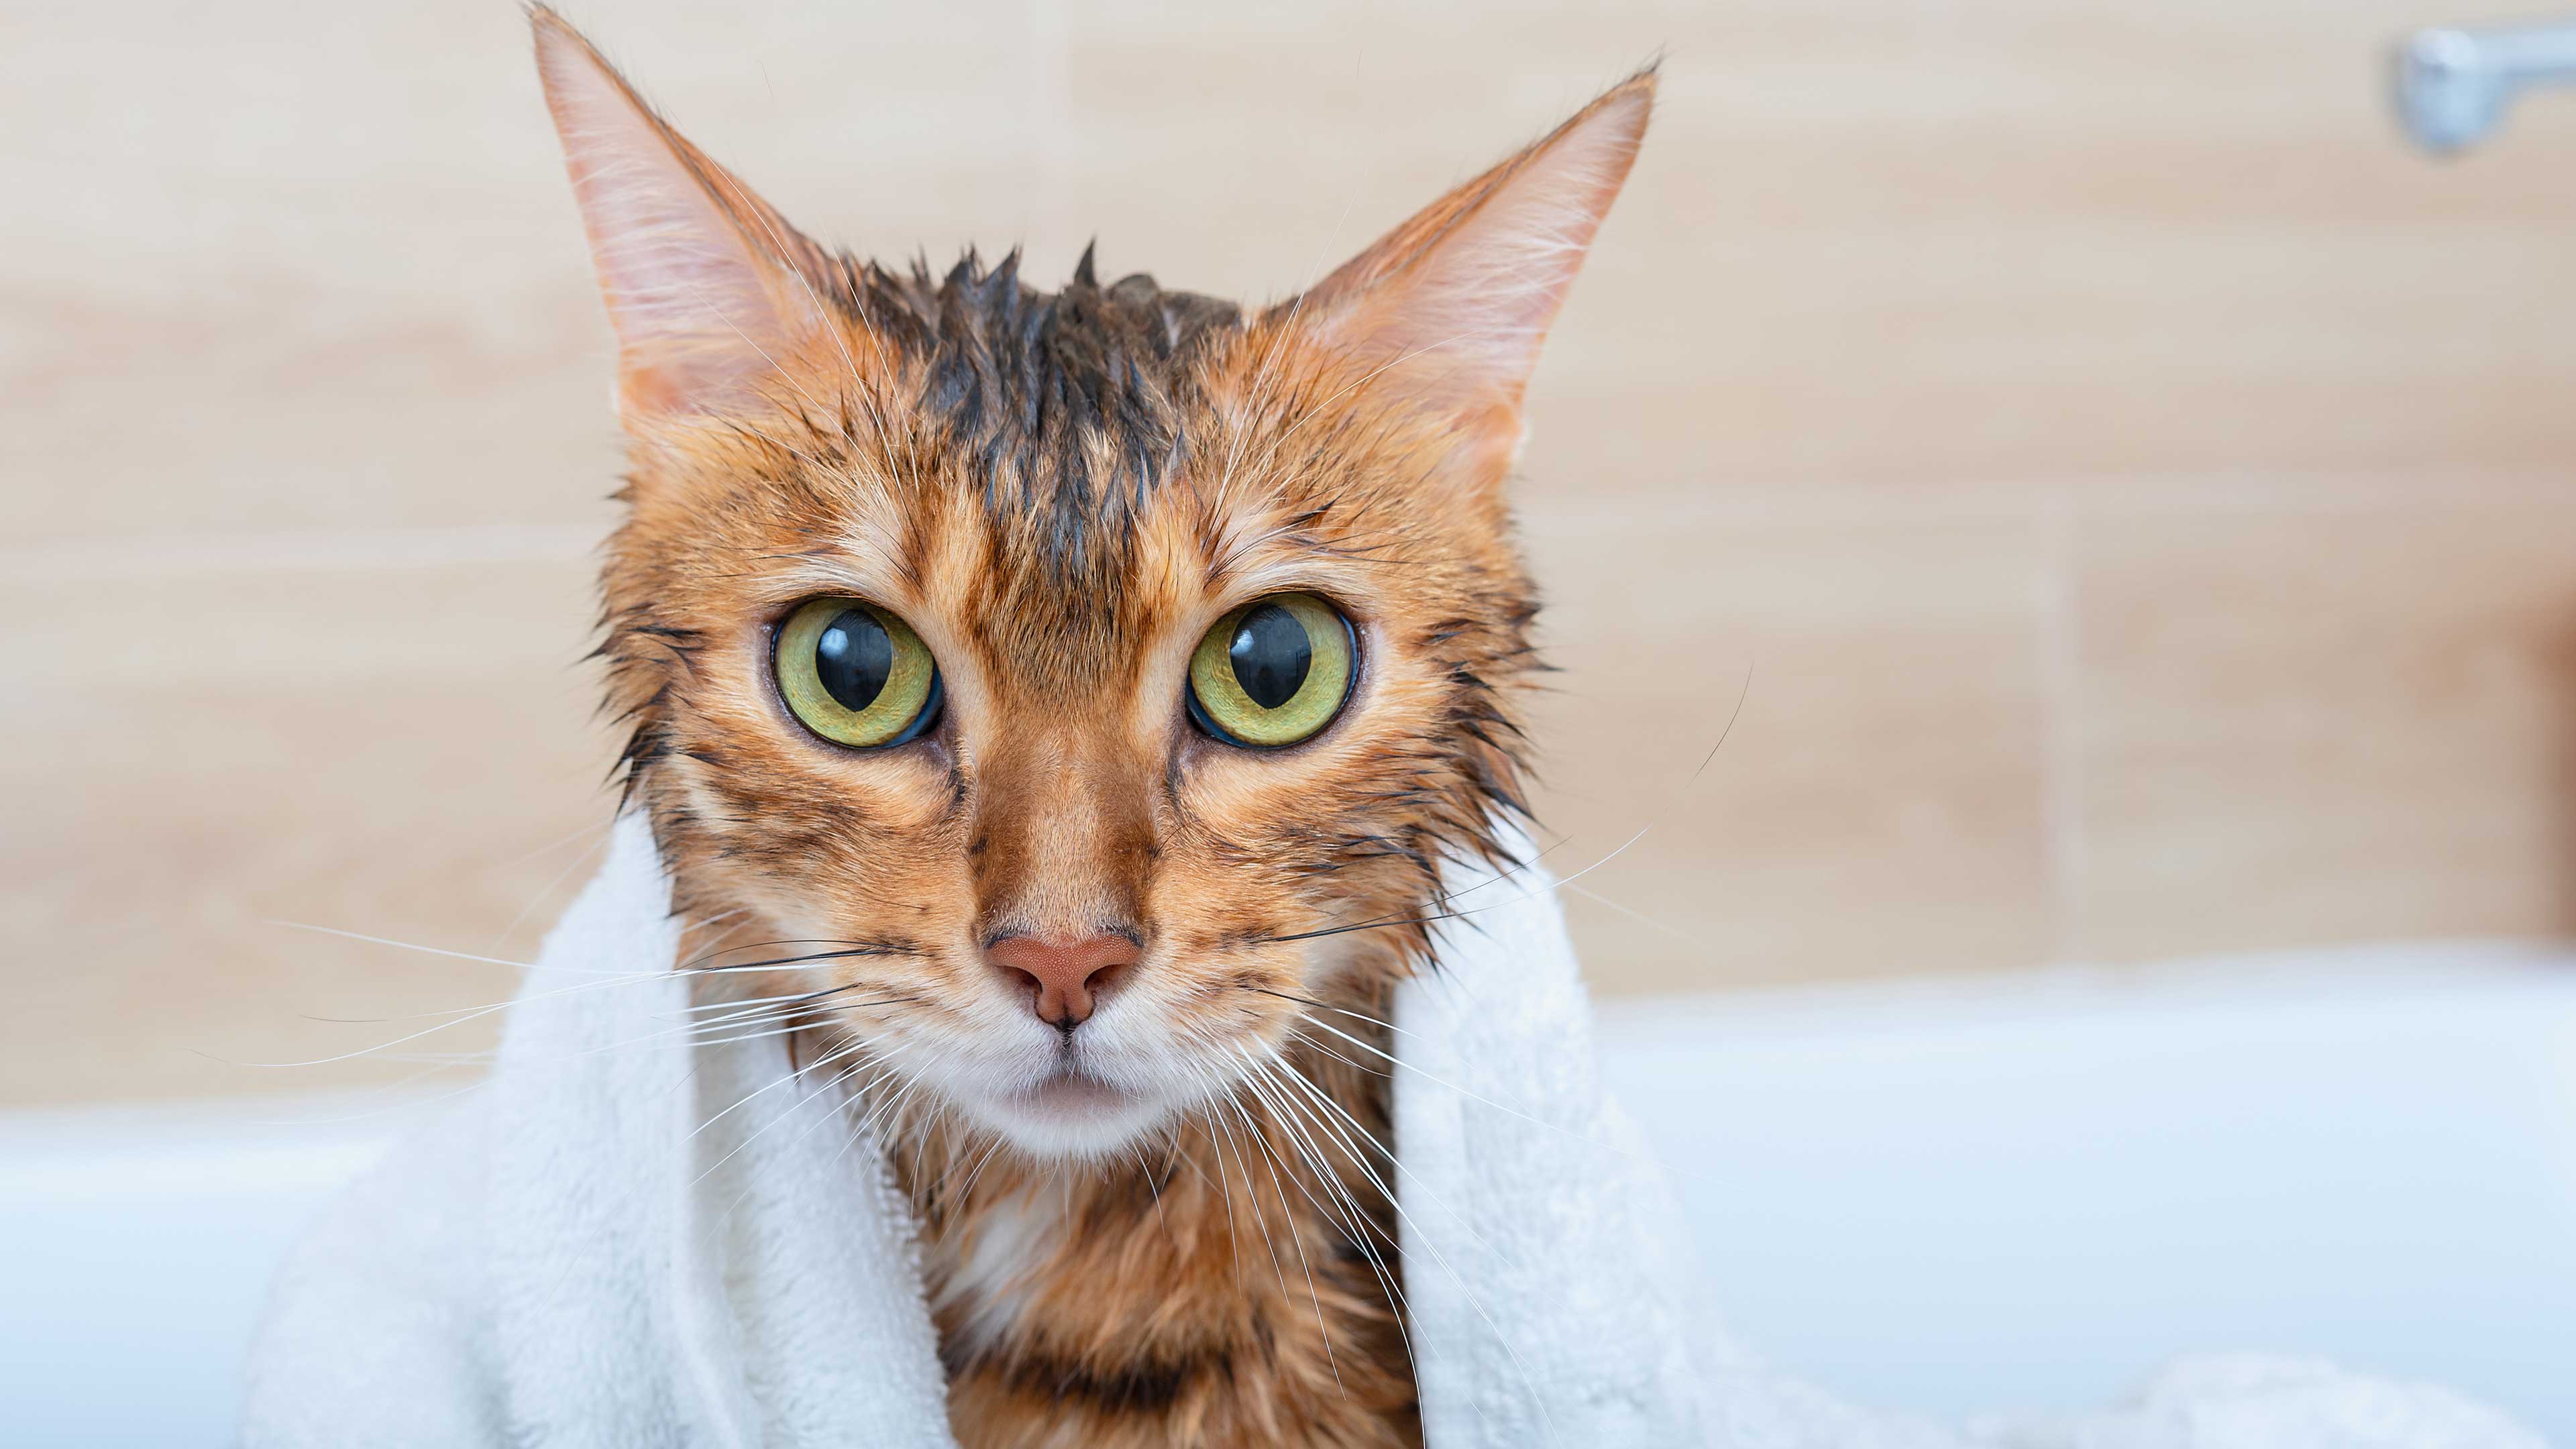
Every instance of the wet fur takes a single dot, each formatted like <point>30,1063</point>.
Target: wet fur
<point>1061,492</point>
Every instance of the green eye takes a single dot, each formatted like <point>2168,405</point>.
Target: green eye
<point>856,674</point>
<point>1272,672</point>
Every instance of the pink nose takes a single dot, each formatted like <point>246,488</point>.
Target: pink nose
<point>1067,977</point>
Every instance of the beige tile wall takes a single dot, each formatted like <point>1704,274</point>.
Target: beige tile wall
<point>2129,494</point>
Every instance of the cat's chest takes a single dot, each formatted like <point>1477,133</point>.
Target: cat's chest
<point>1107,1313</point>
<point>985,1274</point>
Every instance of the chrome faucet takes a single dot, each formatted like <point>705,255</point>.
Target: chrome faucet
<point>2453,85</point>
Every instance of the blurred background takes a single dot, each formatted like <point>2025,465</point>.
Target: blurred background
<point>2125,488</point>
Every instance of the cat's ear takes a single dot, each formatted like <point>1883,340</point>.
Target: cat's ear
<point>1453,304</point>
<point>708,288</point>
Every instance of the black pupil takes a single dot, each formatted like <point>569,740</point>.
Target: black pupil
<point>853,658</point>
<point>1271,655</point>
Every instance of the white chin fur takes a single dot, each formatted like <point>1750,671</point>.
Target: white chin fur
<point>1071,1118</point>
<point>1092,1098</point>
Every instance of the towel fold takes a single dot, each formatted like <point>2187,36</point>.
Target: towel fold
<point>636,1235</point>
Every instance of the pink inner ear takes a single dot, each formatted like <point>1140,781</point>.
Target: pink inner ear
<point>700,315</point>
<point>1455,303</point>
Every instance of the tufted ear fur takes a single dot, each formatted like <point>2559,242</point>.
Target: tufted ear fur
<point>709,289</point>
<point>1453,305</point>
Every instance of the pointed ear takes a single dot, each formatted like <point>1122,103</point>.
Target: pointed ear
<point>701,277</point>
<point>1453,304</point>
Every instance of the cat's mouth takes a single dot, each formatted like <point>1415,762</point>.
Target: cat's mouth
<point>1072,1090</point>
<point>1069,1111</point>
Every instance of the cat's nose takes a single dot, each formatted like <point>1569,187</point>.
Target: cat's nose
<point>1064,978</point>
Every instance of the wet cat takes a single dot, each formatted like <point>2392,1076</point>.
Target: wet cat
<point>1057,710</point>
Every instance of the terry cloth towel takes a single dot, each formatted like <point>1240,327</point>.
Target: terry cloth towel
<point>640,1236</point>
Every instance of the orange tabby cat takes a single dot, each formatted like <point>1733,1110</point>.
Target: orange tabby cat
<point>1071,699</point>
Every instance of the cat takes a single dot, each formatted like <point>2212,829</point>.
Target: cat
<point>1059,708</point>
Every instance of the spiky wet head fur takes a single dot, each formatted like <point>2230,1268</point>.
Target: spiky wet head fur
<point>1061,493</point>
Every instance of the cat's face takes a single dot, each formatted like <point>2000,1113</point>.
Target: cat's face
<point>1059,786</point>
<point>1086,687</point>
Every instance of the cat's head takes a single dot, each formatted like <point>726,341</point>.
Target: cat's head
<point>1081,686</point>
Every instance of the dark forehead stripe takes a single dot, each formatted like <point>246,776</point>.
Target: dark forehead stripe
<point>1066,406</point>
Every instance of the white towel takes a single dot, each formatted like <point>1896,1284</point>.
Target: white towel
<point>1547,1266</point>
<point>567,1259</point>
<point>601,1247</point>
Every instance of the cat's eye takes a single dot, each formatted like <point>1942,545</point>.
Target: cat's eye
<point>1272,672</point>
<point>856,674</point>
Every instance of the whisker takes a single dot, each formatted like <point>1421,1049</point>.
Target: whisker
<point>1338,1011</point>
<point>850,949</point>
<point>1431,920</point>
<point>1356,1227</point>
<point>1296,1240</point>
<point>1154,1185</point>
<point>1742,693</point>
<point>763,1130</point>
<point>600,827</point>
<point>576,863</point>
<point>400,945</point>
<point>977,1171</point>
<point>1313,1045</point>
<point>1474,1302</point>
<point>792,1074</point>
<point>1251,1190</point>
<point>604,979</point>
<point>1397,1061</point>
<point>1640,917</point>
